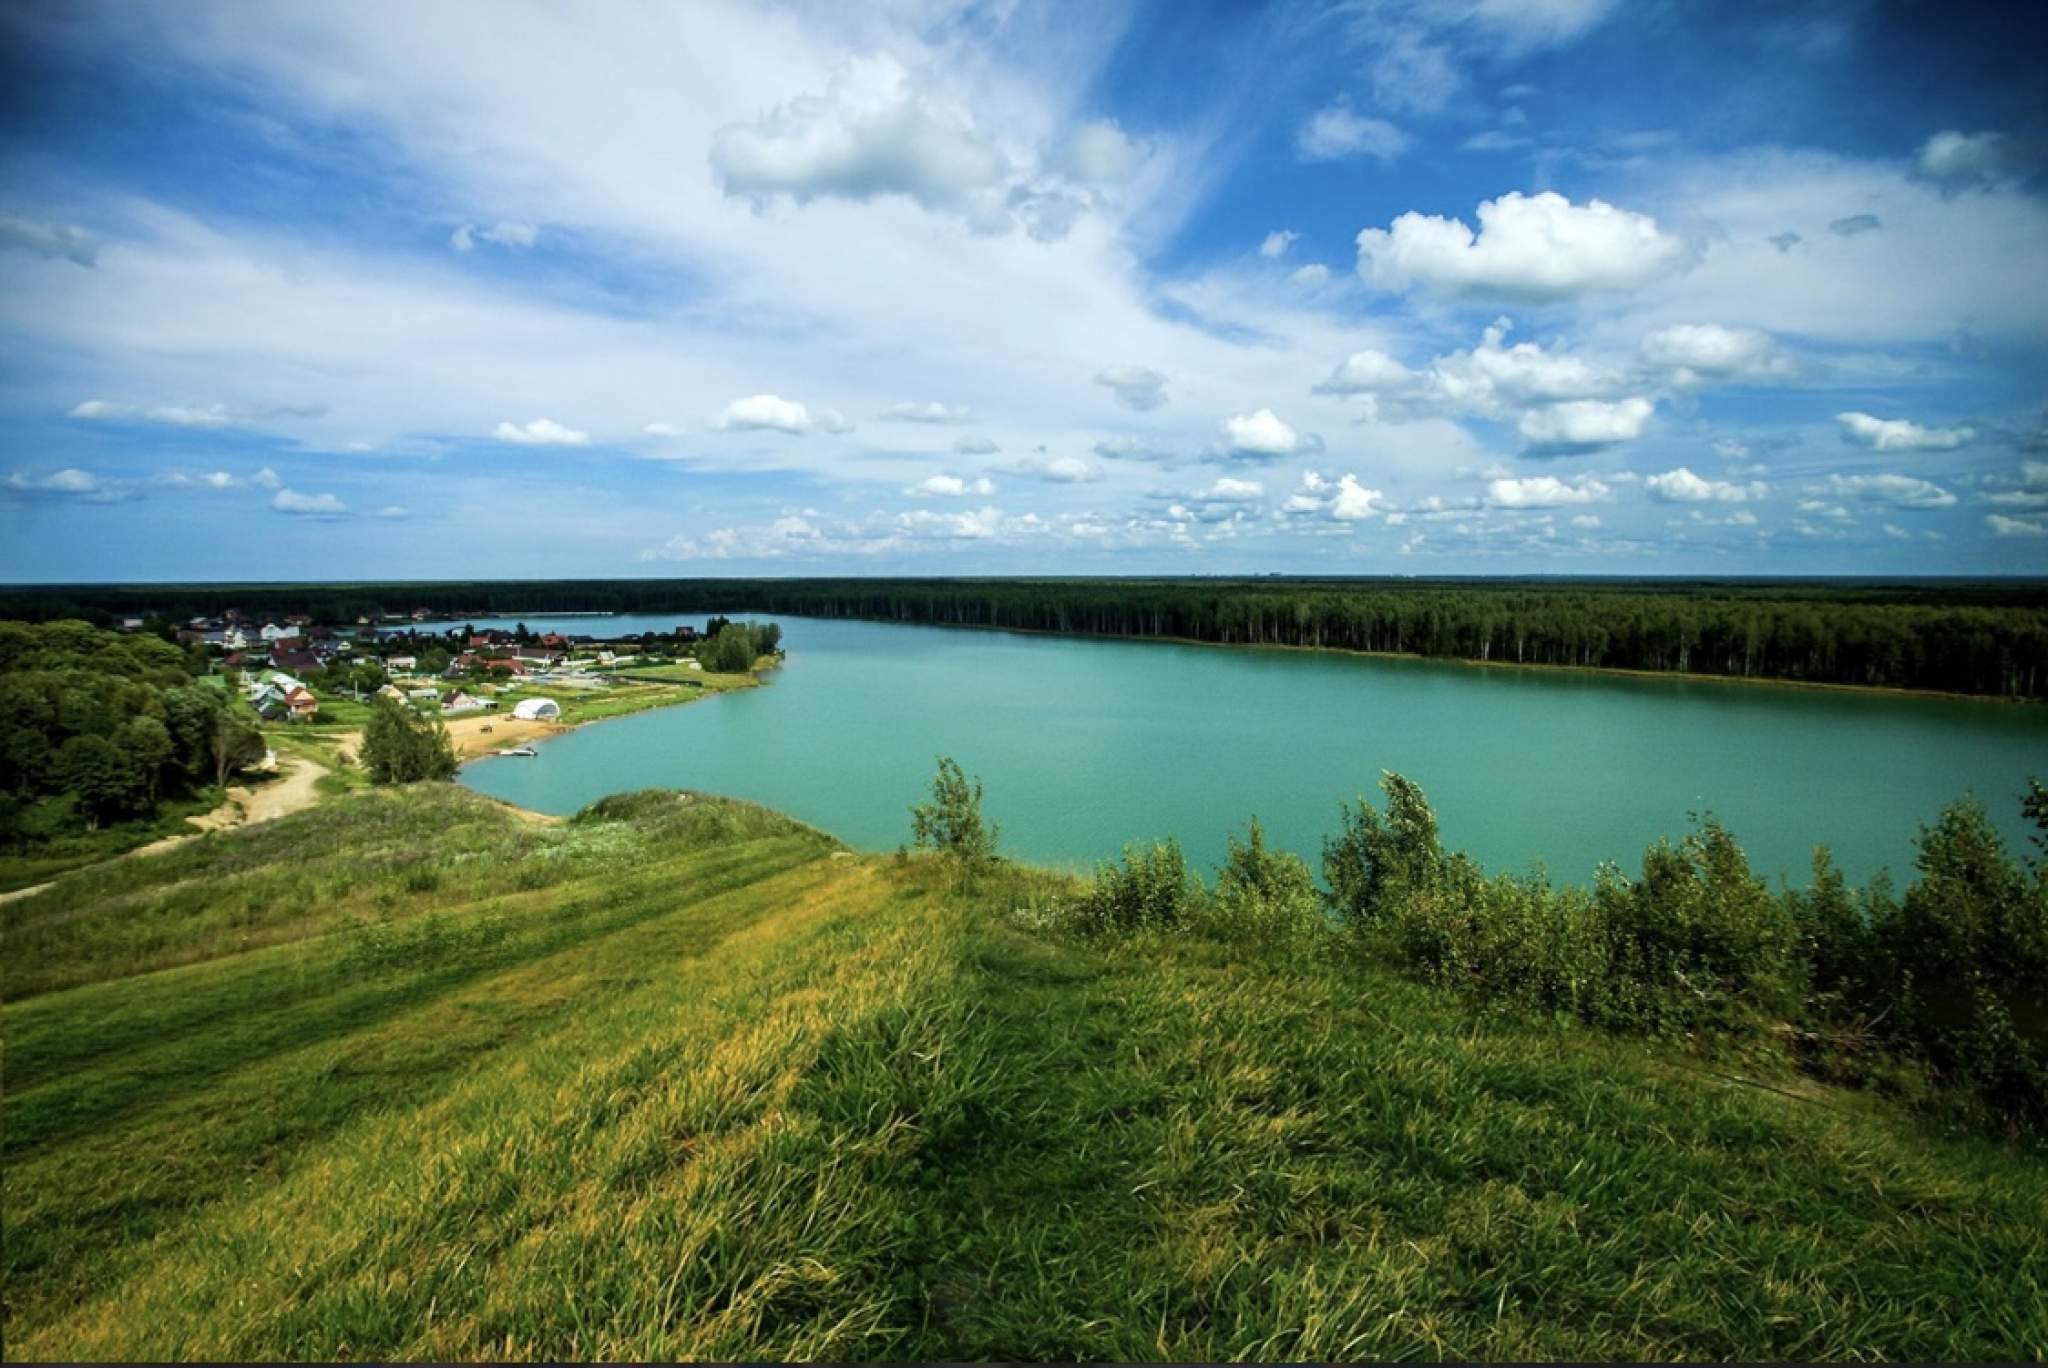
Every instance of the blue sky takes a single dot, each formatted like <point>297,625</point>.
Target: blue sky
<point>1392,286</point>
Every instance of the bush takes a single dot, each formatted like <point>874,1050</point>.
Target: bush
<point>1702,938</point>
<point>1265,898</point>
<point>1151,890</point>
<point>951,822</point>
<point>1374,865</point>
<point>1956,969</point>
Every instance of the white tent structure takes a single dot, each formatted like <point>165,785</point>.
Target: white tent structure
<point>538,709</point>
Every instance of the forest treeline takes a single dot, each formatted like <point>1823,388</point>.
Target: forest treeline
<point>1975,638</point>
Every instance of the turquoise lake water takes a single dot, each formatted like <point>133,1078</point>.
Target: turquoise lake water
<point>1085,744</point>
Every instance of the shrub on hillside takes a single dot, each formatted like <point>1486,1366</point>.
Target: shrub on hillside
<point>1151,890</point>
<point>951,822</point>
<point>1265,898</point>
<point>1701,936</point>
<point>1956,968</point>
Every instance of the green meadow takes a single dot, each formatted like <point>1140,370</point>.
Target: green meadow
<point>409,1076</point>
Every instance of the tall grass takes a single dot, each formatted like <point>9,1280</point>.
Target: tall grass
<point>715,1087</point>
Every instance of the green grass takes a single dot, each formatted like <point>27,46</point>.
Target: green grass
<point>633,692</point>
<point>84,848</point>
<point>339,710</point>
<point>407,1077</point>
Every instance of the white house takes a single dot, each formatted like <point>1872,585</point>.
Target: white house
<point>401,662</point>
<point>538,710</point>
<point>460,702</point>
<point>271,631</point>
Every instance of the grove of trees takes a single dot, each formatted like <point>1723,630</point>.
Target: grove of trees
<point>99,727</point>
<point>401,746</point>
<point>733,647</point>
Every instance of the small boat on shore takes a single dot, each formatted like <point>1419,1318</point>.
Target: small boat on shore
<point>519,750</point>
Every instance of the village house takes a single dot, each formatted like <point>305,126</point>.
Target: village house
<point>460,702</point>
<point>267,700</point>
<point>301,705</point>
<point>404,662</point>
<point>271,632</point>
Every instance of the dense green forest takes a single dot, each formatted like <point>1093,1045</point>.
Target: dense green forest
<point>1961,637</point>
<point>99,726</point>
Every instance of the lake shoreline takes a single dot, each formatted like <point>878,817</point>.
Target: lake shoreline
<point>1603,671</point>
<point>685,695</point>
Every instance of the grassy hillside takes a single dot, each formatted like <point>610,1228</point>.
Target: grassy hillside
<point>408,1077</point>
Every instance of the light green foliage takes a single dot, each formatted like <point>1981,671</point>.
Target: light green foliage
<point>735,646</point>
<point>1374,863</point>
<point>951,822</point>
<point>401,746</point>
<point>1151,890</point>
<point>1265,897</point>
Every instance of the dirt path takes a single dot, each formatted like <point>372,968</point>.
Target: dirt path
<point>293,793</point>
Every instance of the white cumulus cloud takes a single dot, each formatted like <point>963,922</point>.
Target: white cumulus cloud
<point>1582,424</point>
<point>1054,469</point>
<point>1903,491</point>
<point>773,413</point>
<point>1537,246</point>
<point>1682,486</point>
<point>1260,433</point>
<point>1365,372</point>
<point>951,487</point>
<point>1228,490</point>
<point>1697,352</point>
<point>308,505</point>
<point>877,130</point>
<point>541,432</point>
<point>1898,434</point>
<point>926,413</point>
<point>1546,491</point>
<point>1344,499</point>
